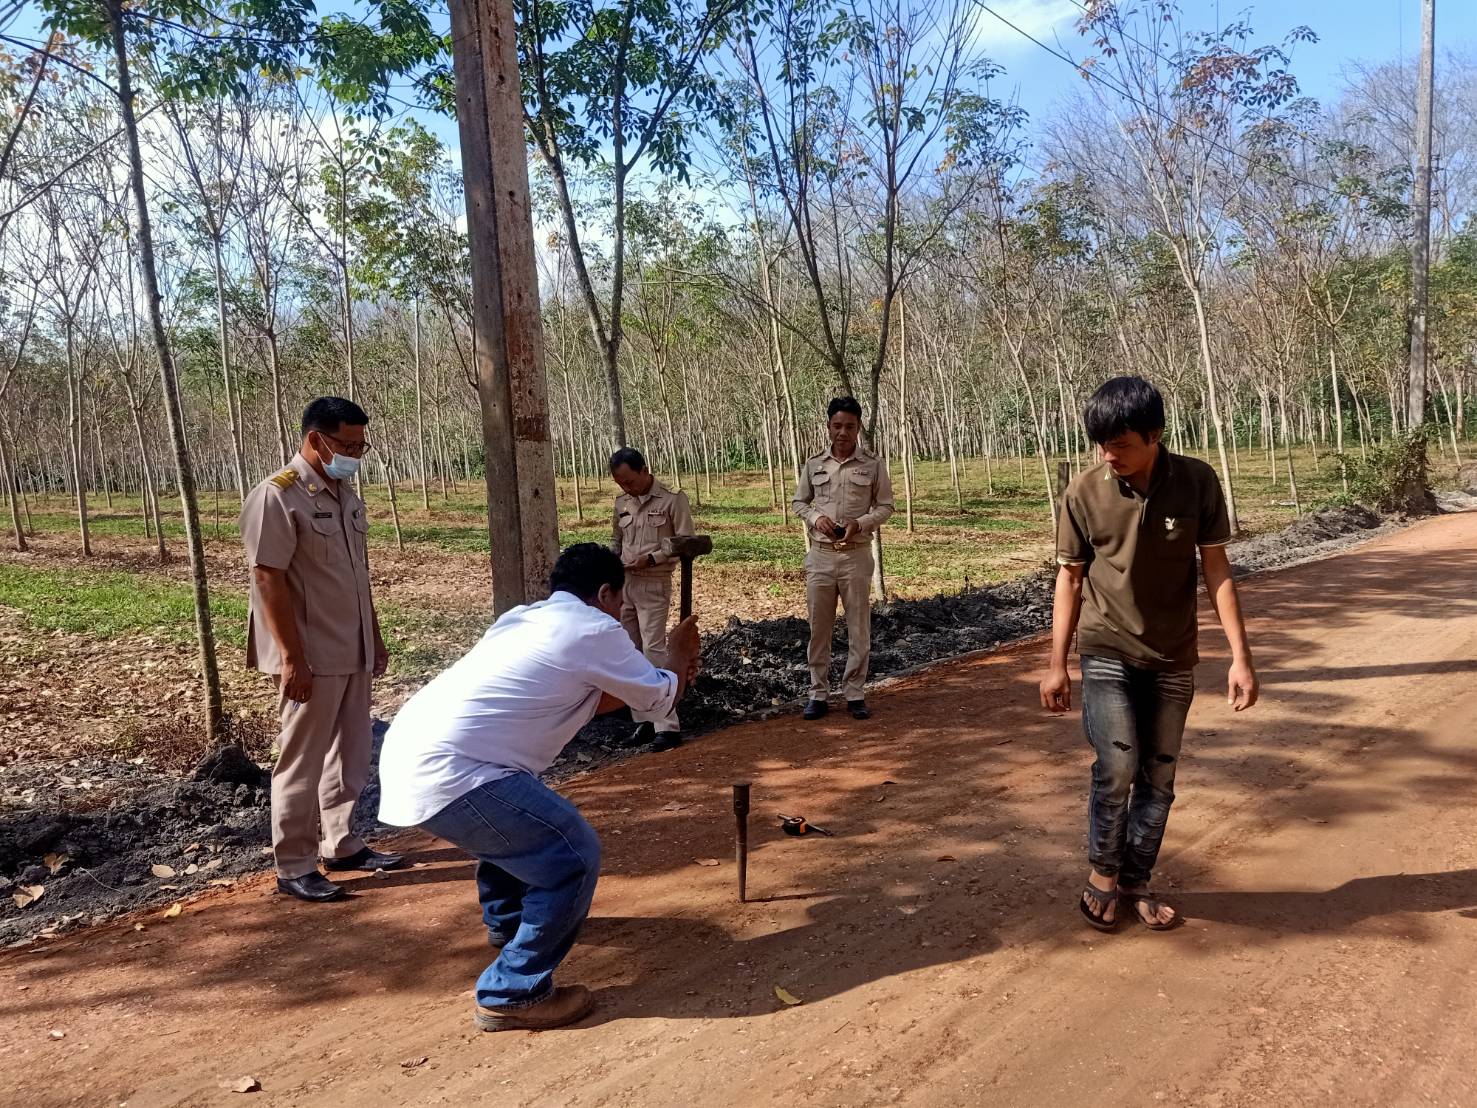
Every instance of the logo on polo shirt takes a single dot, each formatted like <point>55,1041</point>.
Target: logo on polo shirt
<point>1169,522</point>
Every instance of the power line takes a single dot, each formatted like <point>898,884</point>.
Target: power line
<point>1093,75</point>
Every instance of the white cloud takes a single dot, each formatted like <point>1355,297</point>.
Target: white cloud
<point>1041,19</point>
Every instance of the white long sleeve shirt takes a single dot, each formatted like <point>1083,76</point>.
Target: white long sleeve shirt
<point>512,703</point>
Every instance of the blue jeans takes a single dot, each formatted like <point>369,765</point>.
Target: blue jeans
<point>537,864</point>
<point>1134,719</point>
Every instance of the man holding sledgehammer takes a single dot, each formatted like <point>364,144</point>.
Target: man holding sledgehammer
<point>646,514</point>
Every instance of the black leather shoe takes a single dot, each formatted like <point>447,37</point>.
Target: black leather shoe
<point>310,886</point>
<point>368,860</point>
<point>667,740</point>
<point>641,735</point>
<point>814,709</point>
<point>858,709</point>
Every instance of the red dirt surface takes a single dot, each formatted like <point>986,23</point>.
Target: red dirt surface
<point>1322,847</point>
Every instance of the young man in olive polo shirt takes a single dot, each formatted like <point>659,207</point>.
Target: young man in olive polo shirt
<point>1127,533</point>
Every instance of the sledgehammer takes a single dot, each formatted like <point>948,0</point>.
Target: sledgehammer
<point>687,547</point>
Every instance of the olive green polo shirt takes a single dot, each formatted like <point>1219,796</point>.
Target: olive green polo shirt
<point>1138,592</point>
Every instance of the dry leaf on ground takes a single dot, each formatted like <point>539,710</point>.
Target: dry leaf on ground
<point>242,1085</point>
<point>28,894</point>
<point>159,869</point>
<point>786,997</point>
<point>706,861</point>
<point>411,1063</point>
<point>55,862</point>
<point>173,910</point>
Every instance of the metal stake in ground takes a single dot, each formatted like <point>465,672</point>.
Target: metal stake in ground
<point>741,836</point>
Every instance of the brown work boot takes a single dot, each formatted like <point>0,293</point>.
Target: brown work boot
<point>566,1004</point>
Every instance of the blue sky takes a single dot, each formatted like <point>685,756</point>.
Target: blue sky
<point>1370,31</point>
<point>1348,31</point>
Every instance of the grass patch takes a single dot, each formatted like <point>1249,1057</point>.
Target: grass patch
<point>108,605</point>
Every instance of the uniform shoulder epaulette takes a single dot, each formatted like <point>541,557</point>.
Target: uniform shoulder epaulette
<point>285,478</point>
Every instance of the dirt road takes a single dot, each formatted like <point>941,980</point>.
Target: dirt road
<point>1323,845</point>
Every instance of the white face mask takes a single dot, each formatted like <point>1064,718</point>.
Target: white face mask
<point>341,467</point>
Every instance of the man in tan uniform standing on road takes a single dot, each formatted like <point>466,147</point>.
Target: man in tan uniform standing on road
<point>843,495</point>
<point>313,626</point>
<point>647,512</point>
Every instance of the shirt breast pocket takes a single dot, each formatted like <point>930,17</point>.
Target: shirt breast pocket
<point>821,490</point>
<point>329,534</point>
<point>361,534</point>
<point>658,518</point>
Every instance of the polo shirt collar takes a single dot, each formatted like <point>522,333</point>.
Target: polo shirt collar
<point>1163,470</point>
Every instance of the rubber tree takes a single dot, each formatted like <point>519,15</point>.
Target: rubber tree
<point>190,56</point>
<point>608,87</point>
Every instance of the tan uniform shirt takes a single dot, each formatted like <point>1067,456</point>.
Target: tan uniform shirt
<point>857,488</point>
<point>640,523</point>
<point>297,521</point>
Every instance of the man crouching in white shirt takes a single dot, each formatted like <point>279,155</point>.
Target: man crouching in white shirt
<point>462,761</point>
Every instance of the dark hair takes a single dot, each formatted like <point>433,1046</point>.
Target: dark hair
<point>844,404</point>
<point>1120,405</point>
<point>328,413</point>
<point>627,456</point>
<point>584,567</point>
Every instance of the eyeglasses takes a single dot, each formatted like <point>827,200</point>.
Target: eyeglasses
<point>351,449</point>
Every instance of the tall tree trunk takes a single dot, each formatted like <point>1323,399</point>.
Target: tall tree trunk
<point>151,495</point>
<point>420,410</point>
<point>74,425</point>
<point>238,450</point>
<point>204,632</point>
<point>1212,394</point>
<point>574,450</point>
<point>12,489</point>
<point>279,410</point>
<point>1292,480</point>
<point>905,425</point>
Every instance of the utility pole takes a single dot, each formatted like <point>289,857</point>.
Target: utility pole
<point>1420,258</point>
<point>507,330</point>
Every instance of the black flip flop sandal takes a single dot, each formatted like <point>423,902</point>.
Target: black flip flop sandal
<point>1154,902</point>
<point>1104,897</point>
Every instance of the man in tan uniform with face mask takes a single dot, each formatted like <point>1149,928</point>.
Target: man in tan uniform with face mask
<point>313,626</point>
<point>647,512</point>
<point>843,495</point>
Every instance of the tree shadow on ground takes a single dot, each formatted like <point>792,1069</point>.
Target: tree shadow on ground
<point>936,859</point>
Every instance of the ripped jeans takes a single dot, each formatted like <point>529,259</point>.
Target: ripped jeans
<point>1134,719</point>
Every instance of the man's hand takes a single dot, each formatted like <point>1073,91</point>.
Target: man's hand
<point>683,649</point>
<point>1242,687</point>
<point>381,657</point>
<point>852,529</point>
<point>825,526</point>
<point>1056,690</point>
<point>297,680</point>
